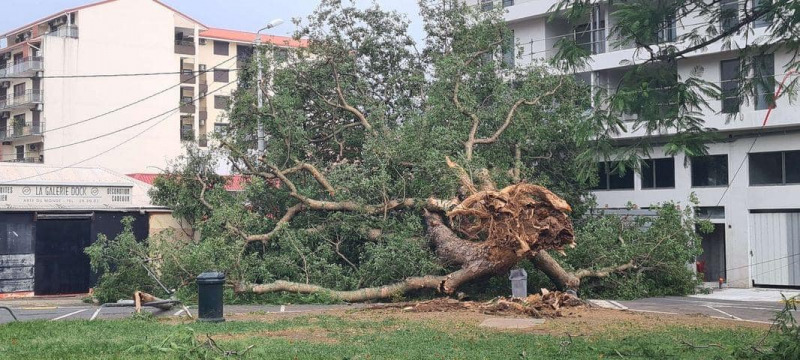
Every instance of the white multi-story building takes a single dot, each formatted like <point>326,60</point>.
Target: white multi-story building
<point>53,109</point>
<point>749,185</point>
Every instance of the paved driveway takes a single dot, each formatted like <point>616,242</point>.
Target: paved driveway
<point>751,305</point>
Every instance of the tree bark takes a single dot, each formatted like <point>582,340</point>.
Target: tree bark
<point>562,279</point>
<point>375,293</point>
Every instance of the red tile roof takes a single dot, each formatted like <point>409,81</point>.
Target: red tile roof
<point>249,37</point>
<point>234,183</point>
<point>51,17</point>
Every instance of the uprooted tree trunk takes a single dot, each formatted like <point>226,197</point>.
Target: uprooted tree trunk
<point>486,234</point>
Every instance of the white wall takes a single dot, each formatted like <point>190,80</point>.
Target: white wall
<point>739,200</point>
<point>124,36</point>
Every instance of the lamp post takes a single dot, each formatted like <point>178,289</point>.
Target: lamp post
<point>272,24</point>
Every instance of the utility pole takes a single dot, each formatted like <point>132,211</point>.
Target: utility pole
<point>257,49</point>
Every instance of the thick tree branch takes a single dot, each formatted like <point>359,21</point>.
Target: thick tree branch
<point>375,293</point>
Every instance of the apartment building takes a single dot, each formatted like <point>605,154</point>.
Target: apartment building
<point>58,106</point>
<point>748,186</point>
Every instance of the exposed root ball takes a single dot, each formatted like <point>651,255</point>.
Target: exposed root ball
<point>523,216</point>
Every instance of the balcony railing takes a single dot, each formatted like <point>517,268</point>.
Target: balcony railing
<point>20,130</point>
<point>65,32</point>
<point>184,46</point>
<point>187,134</point>
<point>28,160</point>
<point>28,98</point>
<point>26,66</point>
<point>187,105</point>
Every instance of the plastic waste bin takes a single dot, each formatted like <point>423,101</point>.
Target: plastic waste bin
<point>519,283</point>
<point>209,296</point>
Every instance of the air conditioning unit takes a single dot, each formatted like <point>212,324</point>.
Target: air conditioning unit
<point>5,84</point>
<point>203,41</point>
<point>202,122</point>
<point>202,67</point>
<point>38,107</point>
<point>33,147</point>
<point>5,114</point>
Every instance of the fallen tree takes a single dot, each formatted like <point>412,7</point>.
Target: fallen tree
<point>389,170</point>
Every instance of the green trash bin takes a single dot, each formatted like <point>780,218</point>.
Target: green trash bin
<point>209,296</point>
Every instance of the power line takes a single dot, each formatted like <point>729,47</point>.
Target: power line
<point>168,114</point>
<point>112,75</point>
<point>93,156</point>
<point>133,103</point>
<point>138,123</point>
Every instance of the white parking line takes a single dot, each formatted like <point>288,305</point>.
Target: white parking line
<point>622,307</point>
<point>653,311</point>
<point>68,315</point>
<point>722,312</point>
<point>744,320</point>
<point>97,312</point>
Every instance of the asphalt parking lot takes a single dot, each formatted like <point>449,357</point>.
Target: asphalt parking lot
<point>749,311</point>
<point>749,305</point>
<point>28,312</point>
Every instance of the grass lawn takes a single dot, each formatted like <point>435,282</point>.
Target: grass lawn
<point>383,334</point>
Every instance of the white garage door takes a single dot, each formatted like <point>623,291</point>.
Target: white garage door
<point>775,248</point>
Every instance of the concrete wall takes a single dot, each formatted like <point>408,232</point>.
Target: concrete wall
<point>738,201</point>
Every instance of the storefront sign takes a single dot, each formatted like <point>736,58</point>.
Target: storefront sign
<point>64,196</point>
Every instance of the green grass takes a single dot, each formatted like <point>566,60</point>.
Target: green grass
<point>342,337</point>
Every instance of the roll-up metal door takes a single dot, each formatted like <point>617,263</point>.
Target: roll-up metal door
<point>775,248</point>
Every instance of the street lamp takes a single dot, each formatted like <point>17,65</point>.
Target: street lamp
<point>272,24</point>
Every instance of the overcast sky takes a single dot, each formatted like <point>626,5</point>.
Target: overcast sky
<point>245,15</point>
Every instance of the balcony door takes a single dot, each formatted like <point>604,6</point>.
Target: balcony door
<point>20,152</point>
<point>19,125</point>
<point>18,58</point>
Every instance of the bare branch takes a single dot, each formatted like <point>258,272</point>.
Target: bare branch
<point>604,272</point>
<point>513,112</point>
<point>282,223</point>
<point>314,172</point>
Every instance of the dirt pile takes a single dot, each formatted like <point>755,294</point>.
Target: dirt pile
<point>547,305</point>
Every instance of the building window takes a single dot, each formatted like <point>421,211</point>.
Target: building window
<point>658,173</point>
<point>220,127</point>
<point>668,31</point>
<point>764,76</point>
<point>611,180</point>
<point>487,5</point>
<point>221,102</point>
<point>766,19</point>
<point>775,168</point>
<point>710,170</point>
<point>729,14</point>
<point>507,3</point>
<point>19,90</point>
<point>221,48</point>
<point>509,51</point>
<point>729,75</point>
<point>221,75</point>
<point>710,212</point>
